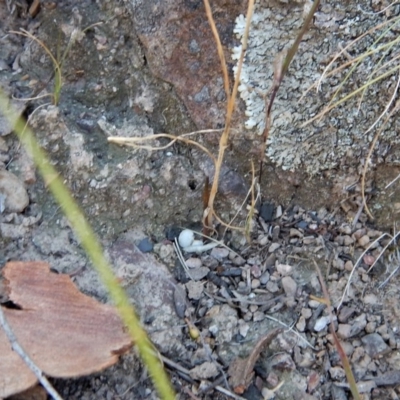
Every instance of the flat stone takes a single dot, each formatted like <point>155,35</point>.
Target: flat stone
<point>289,286</point>
<point>321,323</point>
<point>15,196</point>
<point>255,283</point>
<point>264,278</point>
<point>195,290</point>
<point>375,346</point>
<point>193,262</point>
<point>284,269</point>
<point>206,370</point>
<point>267,211</point>
<point>388,378</point>
<point>145,245</point>
<point>345,313</point>
<point>198,274</point>
<point>272,287</point>
<point>344,331</point>
<point>273,247</point>
<point>370,299</point>
<point>219,253</point>
<point>364,241</point>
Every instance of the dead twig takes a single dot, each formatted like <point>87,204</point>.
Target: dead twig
<point>241,370</point>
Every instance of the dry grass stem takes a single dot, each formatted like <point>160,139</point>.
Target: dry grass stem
<point>223,143</point>
<point>371,149</point>
<point>383,49</point>
<point>355,266</point>
<point>343,357</point>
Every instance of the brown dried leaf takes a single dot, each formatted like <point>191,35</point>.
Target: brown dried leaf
<point>241,370</point>
<point>66,333</point>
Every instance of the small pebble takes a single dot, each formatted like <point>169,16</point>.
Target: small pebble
<point>206,370</point>
<point>264,278</point>
<point>195,290</point>
<point>255,283</point>
<point>345,313</point>
<point>348,265</point>
<point>272,287</point>
<point>359,233</point>
<point>284,269</point>
<point>14,193</point>
<point>374,345</point>
<point>289,286</point>
<point>273,247</point>
<point>258,316</point>
<point>244,328</point>
<point>295,233</point>
<point>186,238</point>
<point>345,229</point>
<point>198,274</point>
<point>301,324</point>
<point>219,253</point>
<point>302,225</point>
<point>145,245</point>
<point>193,262</point>
<point>321,323</point>
<point>347,240</point>
<point>364,241</point>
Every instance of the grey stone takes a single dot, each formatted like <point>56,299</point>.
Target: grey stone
<point>193,262</point>
<point>206,370</point>
<point>195,290</point>
<point>145,245</point>
<point>15,195</point>
<point>199,273</point>
<point>219,253</point>
<point>375,346</point>
<point>273,247</point>
<point>289,286</point>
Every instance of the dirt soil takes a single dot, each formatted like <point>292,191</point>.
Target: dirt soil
<point>138,201</point>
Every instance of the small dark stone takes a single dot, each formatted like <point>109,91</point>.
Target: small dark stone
<point>180,301</point>
<point>267,211</point>
<point>145,245</point>
<point>301,225</point>
<point>172,232</point>
<point>252,393</point>
<point>87,125</point>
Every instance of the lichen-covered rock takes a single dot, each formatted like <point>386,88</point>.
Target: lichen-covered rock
<point>339,136</point>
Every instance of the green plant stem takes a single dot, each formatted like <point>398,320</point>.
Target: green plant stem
<point>92,248</point>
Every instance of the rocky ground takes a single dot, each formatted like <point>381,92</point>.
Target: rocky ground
<point>207,308</point>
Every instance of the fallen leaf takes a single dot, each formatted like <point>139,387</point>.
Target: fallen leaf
<point>241,370</point>
<point>66,333</point>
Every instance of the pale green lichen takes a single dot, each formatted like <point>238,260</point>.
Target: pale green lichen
<point>338,137</point>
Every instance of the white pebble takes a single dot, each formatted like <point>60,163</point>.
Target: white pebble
<point>186,238</point>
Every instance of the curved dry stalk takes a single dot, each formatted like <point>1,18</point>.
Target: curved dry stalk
<point>32,98</point>
<point>355,266</point>
<point>220,49</point>
<point>223,143</point>
<point>56,64</point>
<point>135,142</point>
<point>371,149</point>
